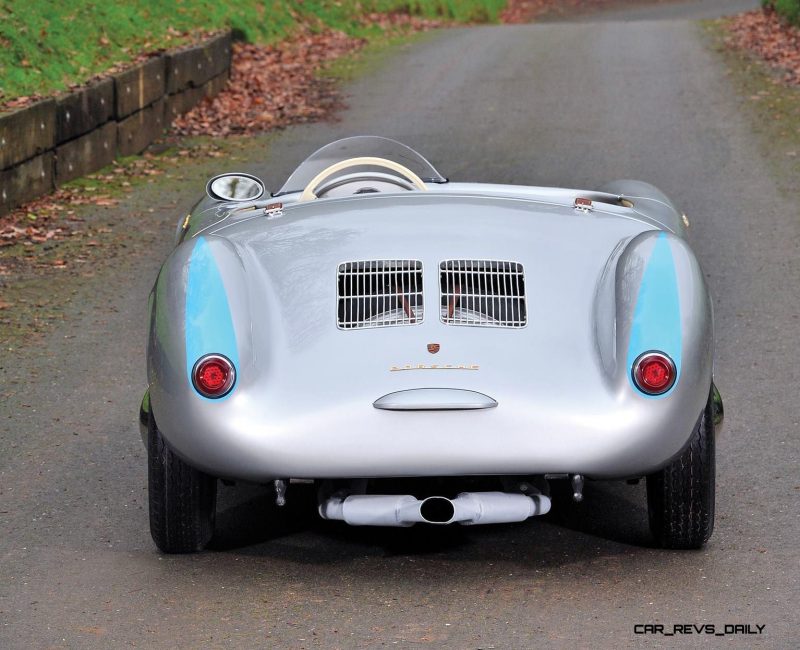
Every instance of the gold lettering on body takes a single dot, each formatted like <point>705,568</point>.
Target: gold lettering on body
<point>422,366</point>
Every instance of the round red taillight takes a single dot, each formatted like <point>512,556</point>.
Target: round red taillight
<point>213,375</point>
<point>654,373</point>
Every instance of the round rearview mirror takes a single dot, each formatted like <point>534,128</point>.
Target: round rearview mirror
<point>235,187</point>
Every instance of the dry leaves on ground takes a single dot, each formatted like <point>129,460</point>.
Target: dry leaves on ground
<point>278,85</point>
<point>54,216</point>
<point>524,11</point>
<point>270,86</point>
<point>50,217</point>
<point>763,33</point>
<point>518,12</point>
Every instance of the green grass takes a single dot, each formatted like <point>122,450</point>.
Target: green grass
<point>47,45</point>
<point>789,9</point>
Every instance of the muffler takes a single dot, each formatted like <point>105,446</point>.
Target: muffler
<point>469,508</point>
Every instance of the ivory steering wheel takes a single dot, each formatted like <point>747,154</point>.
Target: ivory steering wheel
<point>405,172</point>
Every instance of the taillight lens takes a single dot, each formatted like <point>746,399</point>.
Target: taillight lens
<point>213,376</point>
<point>654,373</point>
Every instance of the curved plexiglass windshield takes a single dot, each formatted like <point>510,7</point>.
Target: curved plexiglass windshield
<point>356,147</point>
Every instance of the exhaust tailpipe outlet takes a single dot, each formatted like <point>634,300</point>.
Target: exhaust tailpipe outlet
<point>469,509</point>
<point>437,510</point>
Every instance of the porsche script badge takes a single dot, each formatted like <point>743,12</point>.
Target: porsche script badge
<point>444,366</point>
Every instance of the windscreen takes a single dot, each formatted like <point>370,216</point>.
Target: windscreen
<point>356,147</point>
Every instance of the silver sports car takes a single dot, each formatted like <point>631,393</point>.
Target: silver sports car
<point>372,320</point>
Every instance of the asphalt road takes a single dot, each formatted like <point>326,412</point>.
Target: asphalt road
<point>563,104</point>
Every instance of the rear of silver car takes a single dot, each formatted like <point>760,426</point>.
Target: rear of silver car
<point>495,335</point>
<point>483,349</point>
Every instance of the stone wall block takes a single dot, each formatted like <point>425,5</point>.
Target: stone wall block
<point>26,132</point>
<point>26,181</point>
<point>137,131</point>
<point>193,66</point>
<point>86,154</point>
<point>139,87</point>
<point>83,110</point>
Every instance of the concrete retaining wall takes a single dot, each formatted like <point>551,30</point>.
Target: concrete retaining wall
<point>56,140</point>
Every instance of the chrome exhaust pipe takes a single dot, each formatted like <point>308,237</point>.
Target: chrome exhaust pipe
<point>468,509</point>
<point>473,508</point>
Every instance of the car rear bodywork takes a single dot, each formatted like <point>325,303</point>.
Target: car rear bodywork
<point>323,391</point>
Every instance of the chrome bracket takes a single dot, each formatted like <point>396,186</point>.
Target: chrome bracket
<point>280,492</point>
<point>577,487</point>
<point>273,210</point>
<point>583,204</point>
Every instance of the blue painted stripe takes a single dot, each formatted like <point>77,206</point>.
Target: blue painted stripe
<point>657,315</point>
<point>209,327</point>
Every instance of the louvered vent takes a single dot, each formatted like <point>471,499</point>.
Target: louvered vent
<point>380,293</point>
<point>483,293</point>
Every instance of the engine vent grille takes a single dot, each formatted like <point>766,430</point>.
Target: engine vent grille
<point>483,293</point>
<point>379,293</point>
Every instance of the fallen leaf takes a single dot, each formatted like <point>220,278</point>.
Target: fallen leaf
<point>763,33</point>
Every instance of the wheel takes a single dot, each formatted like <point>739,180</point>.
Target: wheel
<point>680,497</point>
<point>182,499</point>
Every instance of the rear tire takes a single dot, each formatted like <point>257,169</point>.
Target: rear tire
<point>182,499</point>
<point>680,497</point>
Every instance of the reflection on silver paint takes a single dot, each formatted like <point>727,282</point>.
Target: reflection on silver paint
<point>303,406</point>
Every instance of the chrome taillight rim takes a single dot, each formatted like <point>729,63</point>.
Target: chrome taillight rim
<point>640,374</point>
<point>206,362</point>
